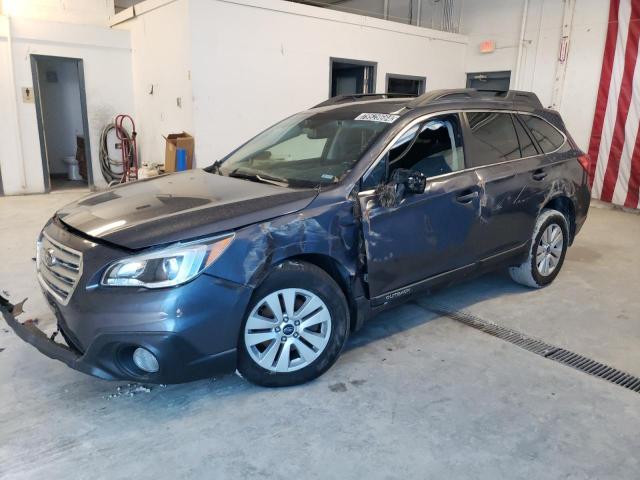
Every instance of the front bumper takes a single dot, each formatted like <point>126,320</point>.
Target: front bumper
<point>109,355</point>
<point>192,330</point>
<point>33,335</point>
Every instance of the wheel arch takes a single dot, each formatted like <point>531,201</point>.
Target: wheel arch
<point>564,205</point>
<point>338,272</point>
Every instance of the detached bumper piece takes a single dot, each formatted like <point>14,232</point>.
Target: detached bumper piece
<point>110,356</point>
<point>31,334</point>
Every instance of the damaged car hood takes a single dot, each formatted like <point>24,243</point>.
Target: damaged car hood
<point>179,206</point>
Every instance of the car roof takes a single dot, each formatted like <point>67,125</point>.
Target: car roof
<point>435,100</point>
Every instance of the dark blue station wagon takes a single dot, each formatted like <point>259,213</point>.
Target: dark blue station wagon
<point>265,261</point>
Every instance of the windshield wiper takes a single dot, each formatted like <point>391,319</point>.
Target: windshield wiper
<point>214,167</point>
<point>260,177</point>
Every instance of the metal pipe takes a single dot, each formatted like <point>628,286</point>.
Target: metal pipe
<point>523,25</point>
<point>16,104</point>
<point>561,62</point>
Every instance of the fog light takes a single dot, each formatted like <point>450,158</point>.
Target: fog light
<point>145,360</point>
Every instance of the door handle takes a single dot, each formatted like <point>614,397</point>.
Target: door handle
<point>539,174</point>
<point>466,197</point>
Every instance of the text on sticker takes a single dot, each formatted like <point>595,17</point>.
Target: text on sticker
<point>378,117</point>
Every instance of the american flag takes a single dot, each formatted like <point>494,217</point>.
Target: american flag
<point>614,148</point>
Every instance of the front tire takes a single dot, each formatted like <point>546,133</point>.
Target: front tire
<point>548,249</point>
<point>295,327</point>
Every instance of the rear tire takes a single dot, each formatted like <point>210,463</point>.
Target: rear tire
<point>546,254</point>
<point>295,327</point>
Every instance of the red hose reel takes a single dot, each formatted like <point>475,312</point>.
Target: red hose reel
<point>129,148</point>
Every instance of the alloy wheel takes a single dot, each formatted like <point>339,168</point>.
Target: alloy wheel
<point>549,249</point>
<point>287,330</point>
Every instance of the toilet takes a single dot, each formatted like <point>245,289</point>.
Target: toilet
<point>73,170</point>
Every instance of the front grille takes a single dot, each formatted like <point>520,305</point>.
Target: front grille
<point>59,268</point>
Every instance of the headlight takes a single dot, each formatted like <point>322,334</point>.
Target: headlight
<point>165,268</point>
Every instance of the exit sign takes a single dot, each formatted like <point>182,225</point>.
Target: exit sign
<point>487,46</point>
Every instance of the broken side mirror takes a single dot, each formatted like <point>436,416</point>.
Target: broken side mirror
<point>402,183</point>
<point>411,180</point>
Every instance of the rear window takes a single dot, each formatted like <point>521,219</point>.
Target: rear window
<point>527,146</point>
<point>547,136</point>
<point>495,136</point>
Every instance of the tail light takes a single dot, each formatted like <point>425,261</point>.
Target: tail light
<point>584,161</point>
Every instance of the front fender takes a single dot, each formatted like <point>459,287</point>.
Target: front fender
<point>329,230</point>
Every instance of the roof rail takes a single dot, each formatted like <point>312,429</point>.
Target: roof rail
<point>518,97</point>
<point>358,97</point>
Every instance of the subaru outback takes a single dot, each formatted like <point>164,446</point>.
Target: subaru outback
<point>266,260</point>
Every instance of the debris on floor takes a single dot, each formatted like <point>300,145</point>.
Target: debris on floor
<point>130,390</point>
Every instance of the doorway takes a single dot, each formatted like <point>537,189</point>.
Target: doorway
<point>350,77</point>
<point>498,81</point>
<point>405,84</point>
<point>61,109</point>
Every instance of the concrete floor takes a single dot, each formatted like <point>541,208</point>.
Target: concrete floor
<point>414,396</point>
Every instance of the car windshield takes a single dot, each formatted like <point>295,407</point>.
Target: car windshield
<point>305,150</point>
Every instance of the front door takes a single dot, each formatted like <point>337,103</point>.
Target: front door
<point>426,234</point>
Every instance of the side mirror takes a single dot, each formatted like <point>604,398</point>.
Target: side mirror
<point>411,180</point>
<point>402,183</point>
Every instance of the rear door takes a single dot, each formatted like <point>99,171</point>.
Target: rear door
<point>427,234</point>
<point>537,173</point>
<point>495,152</point>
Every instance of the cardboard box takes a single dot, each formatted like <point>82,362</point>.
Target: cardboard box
<point>174,141</point>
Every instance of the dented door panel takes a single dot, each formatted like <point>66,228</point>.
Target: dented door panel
<point>509,206</point>
<point>423,235</point>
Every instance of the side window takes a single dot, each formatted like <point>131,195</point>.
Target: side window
<point>546,135</point>
<point>527,146</point>
<point>375,177</point>
<point>433,148</point>
<point>495,136</point>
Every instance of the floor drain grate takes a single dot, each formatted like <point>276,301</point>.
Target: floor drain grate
<point>543,349</point>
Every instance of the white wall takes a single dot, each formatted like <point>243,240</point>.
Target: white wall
<point>256,62</point>
<point>588,36</point>
<point>8,131</point>
<point>161,60</point>
<point>91,12</point>
<point>108,80</point>
<point>61,109</point>
<point>500,20</point>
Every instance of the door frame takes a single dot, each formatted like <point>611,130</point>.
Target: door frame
<point>421,79</point>
<point>491,75</point>
<point>85,119</point>
<point>363,196</point>
<point>363,63</point>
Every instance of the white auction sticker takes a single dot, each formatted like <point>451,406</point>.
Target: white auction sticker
<point>378,117</point>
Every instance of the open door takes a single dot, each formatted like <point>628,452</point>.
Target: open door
<point>498,81</point>
<point>62,122</point>
<point>350,77</point>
